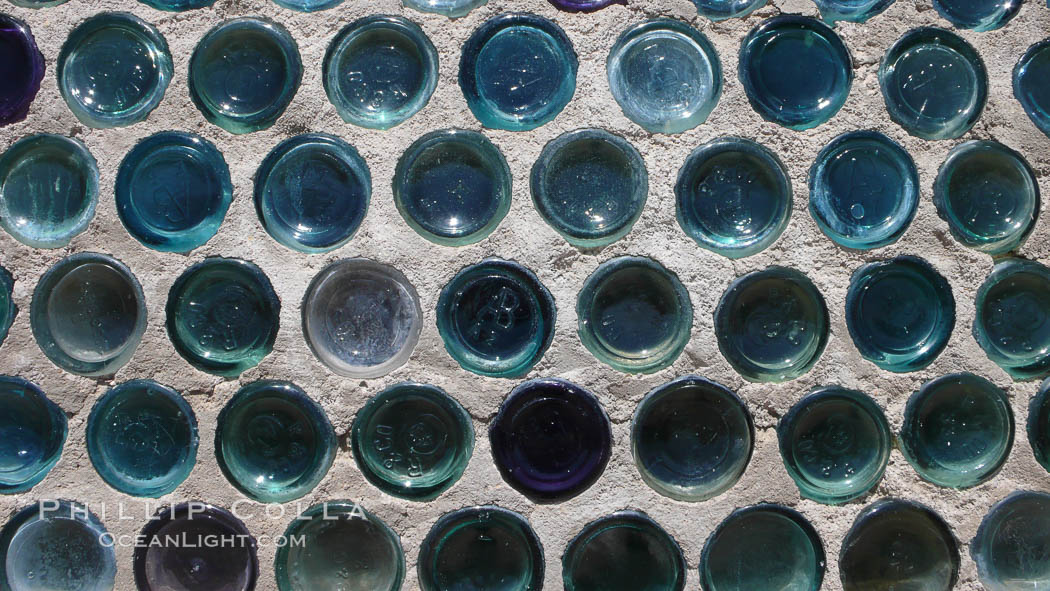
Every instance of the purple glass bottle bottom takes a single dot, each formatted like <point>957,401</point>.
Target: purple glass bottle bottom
<point>584,5</point>
<point>21,69</point>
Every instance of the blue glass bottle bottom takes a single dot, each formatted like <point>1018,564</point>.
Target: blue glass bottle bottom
<point>623,551</point>
<point>1030,90</point>
<point>452,186</point>
<point>665,75</point>
<point>796,71</point>
<point>517,71</point>
<point>8,309</point>
<point>1013,536</point>
<point>312,192</point>
<point>56,545</point>
<point>718,10</point>
<point>173,191</point>
<point>979,15</point>
<point>858,11</point>
<point>733,197</point>
<point>1011,324</point>
<point>449,8</point>
<point>32,433</point>
<point>863,190</point>
<point>48,190</point>
<point>1039,425</point>
<point>934,83</point>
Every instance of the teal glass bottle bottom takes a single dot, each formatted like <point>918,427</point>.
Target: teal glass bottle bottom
<point>379,71</point>
<point>312,192</point>
<point>496,318</point>
<point>1012,324</point>
<point>665,75</point>
<point>733,197</point>
<point>222,315</point>
<point>898,544</point>
<point>56,545</point>
<point>452,186</point>
<point>863,190</point>
<point>1011,544</point>
<point>32,433</point>
<point>718,10</point>
<point>273,442</point>
<point>772,325</point>
<point>517,71</point>
<point>1028,76</point>
<point>958,430</point>
<point>634,315</point>
<point>449,8</point>
<point>624,551</point>
<point>979,15</point>
<point>857,11</point>
<point>988,195</point>
<point>113,70</point>
<point>243,74</point>
<point>899,313</point>
<point>692,439</point>
<point>412,441</point>
<point>88,314</point>
<point>173,190</point>
<point>934,83</point>
<point>763,547</point>
<point>323,561</point>
<point>590,186</point>
<point>479,548</point>
<point>835,444</point>
<point>48,190</point>
<point>1039,425</point>
<point>795,70</point>
<point>8,309</point>
<point>142,438</point>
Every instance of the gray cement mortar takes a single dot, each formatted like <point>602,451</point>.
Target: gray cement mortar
<point>524,237</point>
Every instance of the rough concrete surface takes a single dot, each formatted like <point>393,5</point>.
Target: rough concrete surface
<point>524,237</point>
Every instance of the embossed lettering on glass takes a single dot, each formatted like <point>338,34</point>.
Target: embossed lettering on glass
<point>835,444</point>
<point>412,441</point>
<point>379,71</point>
<point>48,190</point>
<point>56,545</point>
<point>896,544</point>
<point>142,438</point>
<point>517,71</point>
<point>215,551</point>
<point>900,313</point>
<point>863,190</point>
<point>763,546</point>
<point>733,197</point>
<point>665,75</point>
<point>1039,425</point>
<point>691,439</point>
<point>772,325</point>
<point>623,551</point>
<point>312,192</point>
<point>273,442</point>
<point>795,70</point>
<point>934,83</point>
<point>484,547</point>
<point>344,547</point>
<point>858,11</point>
<point>361,318</point>
<point>1030,87</point>
<point>8,309</point>
<point>550,440</point>
<point>958,430</point>
<point>88,314</point>
<point>452,186</point>
<point>1012,324</point>
<point>222,315</point>
<point>113,70</point>
<point>1013,543</point>
<point>32,432</point>
<point>590,186</point>
<point>979,15</point>
<point>244,73</point>
<point>496,318</point>
<point>21,69</point>
<point>449,8</point>
<point>173,190</point>
<point>634,314</point>
<point>989,196</point>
